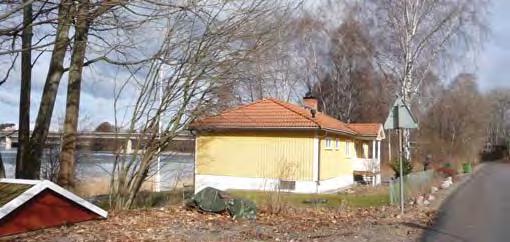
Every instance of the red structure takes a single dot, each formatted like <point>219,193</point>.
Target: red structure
<point>28,205</point>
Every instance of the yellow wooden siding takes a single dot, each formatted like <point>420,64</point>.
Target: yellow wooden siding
<point>284,155</point>
<point>333,161</point>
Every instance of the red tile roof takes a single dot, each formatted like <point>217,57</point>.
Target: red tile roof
<point>276,114</point>
<point>369,129</point>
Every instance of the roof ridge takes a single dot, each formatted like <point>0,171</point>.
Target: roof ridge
<point>279,102</point>
<point>234,109</point>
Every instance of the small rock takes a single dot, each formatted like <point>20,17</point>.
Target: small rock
<point>431,197</point>
<point>411,203</point>
<point>419,200</point>
<point>445,185</point>
<point>349,191</point>
<point>433,189</point>
<point>426,202</point>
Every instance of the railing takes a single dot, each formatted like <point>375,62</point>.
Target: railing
<point>366,164</point>
<point>414,184</point>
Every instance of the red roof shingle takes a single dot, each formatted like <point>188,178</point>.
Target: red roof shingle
<point>273,113</point>
<point>369,129</point>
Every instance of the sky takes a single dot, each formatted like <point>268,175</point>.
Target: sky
<point>96,104</point>
<point>493,66</point>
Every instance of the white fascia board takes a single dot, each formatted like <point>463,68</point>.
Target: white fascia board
<point>21,199</point>
<point>39,186</point>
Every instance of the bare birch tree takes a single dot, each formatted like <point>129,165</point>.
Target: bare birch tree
<point>416,38</point>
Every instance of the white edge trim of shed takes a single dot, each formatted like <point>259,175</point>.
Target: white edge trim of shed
<point>39,186</point>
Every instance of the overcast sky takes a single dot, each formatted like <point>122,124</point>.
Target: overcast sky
<point>96,103</point>
<point>494,61</point>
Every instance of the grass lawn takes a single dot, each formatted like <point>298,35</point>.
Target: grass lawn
<point>358,199</point>
<point>147,199</point>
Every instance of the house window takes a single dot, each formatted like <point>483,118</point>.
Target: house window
<point>337,144</point>
<point>287,185</point>
<point>348,148</point>
<point>329,143</point>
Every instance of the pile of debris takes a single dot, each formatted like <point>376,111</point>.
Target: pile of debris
<point>215,201</point>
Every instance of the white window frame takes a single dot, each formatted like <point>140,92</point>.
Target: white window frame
<point>329,143</point>
<point>337,143</point>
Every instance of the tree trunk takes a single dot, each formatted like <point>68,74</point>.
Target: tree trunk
<point>33,152</point>
<point>26,80</point>
<point>67,155</point>
<point>2,168</point>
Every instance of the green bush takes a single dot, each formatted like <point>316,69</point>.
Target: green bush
<point>407,167</point>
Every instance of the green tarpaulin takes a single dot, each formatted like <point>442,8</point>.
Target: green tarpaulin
<point>213,200</point>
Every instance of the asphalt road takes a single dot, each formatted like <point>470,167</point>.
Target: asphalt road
<point>478,211</point>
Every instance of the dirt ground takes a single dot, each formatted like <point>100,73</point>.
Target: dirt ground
<point>177,223</point>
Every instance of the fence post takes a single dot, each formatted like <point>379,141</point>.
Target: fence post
<point>391,192</point>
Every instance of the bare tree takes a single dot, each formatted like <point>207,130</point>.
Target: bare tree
<point>200,47</point>
<point>271,70</point>
<point>454,128</point>
<point>352,89</point>
<point>499,128</point>
<point>67,154</point>
<point>2,168</point>
<point>416,38</point>
<point>68,13</point>
<point>31,164</point>
<point>25,88</point>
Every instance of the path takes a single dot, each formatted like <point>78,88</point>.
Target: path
<point>479,210</point>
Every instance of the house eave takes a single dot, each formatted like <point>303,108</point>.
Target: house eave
<point>219,128</point>
<point>341,132</point>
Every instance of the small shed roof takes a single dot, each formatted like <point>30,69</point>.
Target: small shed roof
<point>10,191</point>
<point>16,192</point>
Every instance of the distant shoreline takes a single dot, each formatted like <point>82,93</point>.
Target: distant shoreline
<point>108,153</point>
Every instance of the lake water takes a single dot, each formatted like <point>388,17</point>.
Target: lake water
<point>175,168</point>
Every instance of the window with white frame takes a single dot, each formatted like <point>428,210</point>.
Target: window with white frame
<point>348,148</point>
<point>329,143</point>
<point>337,143</point>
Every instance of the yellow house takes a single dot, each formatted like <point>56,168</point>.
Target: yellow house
<point>270,144</point>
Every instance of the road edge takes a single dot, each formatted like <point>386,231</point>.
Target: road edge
<point>457,186</point>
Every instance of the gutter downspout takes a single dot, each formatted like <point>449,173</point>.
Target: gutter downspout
<point>319,138</point>
<point>195,141</point>
<point>317,183</point>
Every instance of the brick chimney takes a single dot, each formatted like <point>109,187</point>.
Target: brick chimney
<point>311,103</point>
